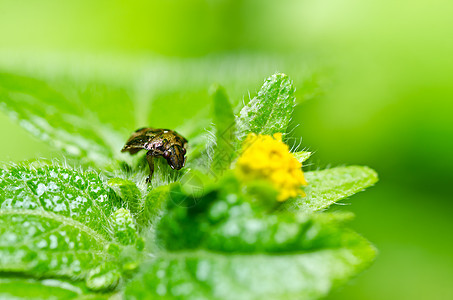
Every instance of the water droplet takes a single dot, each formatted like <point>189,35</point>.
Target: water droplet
<point>41,189</point>
<point>41,244</point>
<point>203,269</point>
<point>53,242</point>
<point>103,278</point>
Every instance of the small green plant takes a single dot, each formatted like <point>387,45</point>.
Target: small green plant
<point>91,228</point>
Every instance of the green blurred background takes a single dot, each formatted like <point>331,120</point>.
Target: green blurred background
<point>375,82</point>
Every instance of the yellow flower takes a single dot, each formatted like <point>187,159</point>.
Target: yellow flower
<point>266,157</point>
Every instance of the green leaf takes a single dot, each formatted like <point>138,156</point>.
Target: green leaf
<point>191,184</point>
<point>123,227</point>
<point>225,127</point>
<point>129,192</point>
<point>103,277</point>
<point>52,289</point>
<point>302,156</point>
<point>56,222</point>
<point>326,187</point>
<point>214,275</point>
<point>70,115</point>
<point>270,111</point>
<point>81,196</point>
<point>153,206</point>
<point>42,244</point>
<point>221,248</point>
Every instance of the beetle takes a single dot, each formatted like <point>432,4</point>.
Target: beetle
<point>159,142</point>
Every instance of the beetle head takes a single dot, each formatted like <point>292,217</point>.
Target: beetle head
<point>175,157</point>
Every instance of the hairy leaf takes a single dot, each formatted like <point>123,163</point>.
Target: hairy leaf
<point>51,289</point>
<point>213,275</point>
<point>153,206</point>
<point>129,192</point>
<point>302,156</point>
<point>326,187</point>
<point>225,126</point>
<point>123,227</point>
<point>81,196</point>
<point>221,248</point>
<point>43,244</point>
<point>270,111</point>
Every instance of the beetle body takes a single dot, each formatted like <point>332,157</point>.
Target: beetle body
<point>158,142</point>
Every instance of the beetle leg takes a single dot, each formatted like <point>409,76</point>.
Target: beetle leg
<point>150,159</point>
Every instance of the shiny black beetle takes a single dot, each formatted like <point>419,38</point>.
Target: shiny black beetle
<point>159,142</point>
